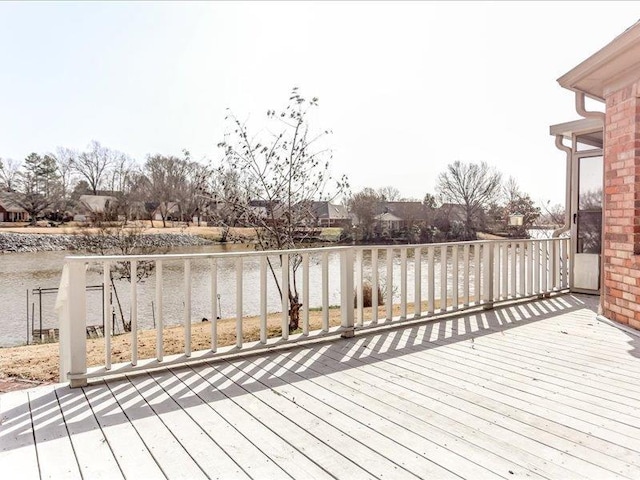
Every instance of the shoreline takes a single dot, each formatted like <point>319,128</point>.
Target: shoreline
<point>43,242</point>
<point>26,239</point>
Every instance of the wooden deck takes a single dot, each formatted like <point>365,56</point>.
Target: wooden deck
<point>536,390</point>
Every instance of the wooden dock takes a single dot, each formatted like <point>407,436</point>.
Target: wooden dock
<point>534,390</point>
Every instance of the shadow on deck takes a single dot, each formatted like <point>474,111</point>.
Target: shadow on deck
<point>312,402</point>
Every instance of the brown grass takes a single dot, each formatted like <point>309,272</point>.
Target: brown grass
<point>41,362</point>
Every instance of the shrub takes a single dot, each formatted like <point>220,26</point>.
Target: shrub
<point>367,296</point>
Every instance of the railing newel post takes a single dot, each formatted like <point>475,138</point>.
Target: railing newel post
<point>76,330</point>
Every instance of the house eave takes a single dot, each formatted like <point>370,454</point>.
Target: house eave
<point>610,68</point>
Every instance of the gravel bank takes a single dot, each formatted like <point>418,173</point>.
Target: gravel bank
<point>29,242</point>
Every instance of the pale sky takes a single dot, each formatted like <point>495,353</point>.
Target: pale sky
<point>406,88</point>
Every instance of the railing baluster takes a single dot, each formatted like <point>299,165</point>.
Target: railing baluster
<point>374,286</point>
<point>545,265</point>
<point>431,276</point>
<point>521,269</point>
<point>213,274</point>
<point>565,262</point>
<point>159,316</point>
<point>305,294</point>
<point>495,278</point>
<point>477,274</point>
<point>417,286</point>
<point>403,283</point>
<point>187,307</point>
<point>443,278</point>
<point>285,296</point>
<point>530,246</point>
<point>537,266</point>
<point>389,299</point>
<point>455,276</point>
<point>513,254</point>
<point>557,260</point>
<point>466,278</point>
<point>263,299</point>
<point>134,311</point>
<point>239,272</point>
<point>552,265</point>
<point>504,259</point>
<point>106,294</point>
<point>359,288</point>
<point>325,292</point>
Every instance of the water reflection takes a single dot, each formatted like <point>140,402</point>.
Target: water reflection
<point>26,271</point>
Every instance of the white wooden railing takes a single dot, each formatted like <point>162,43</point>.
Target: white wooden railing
<point>416,282</point>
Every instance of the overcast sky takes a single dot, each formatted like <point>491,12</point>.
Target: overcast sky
<point>406,87</point>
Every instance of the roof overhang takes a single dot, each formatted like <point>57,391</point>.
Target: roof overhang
<point>611,68</point>
<point>579,127</point>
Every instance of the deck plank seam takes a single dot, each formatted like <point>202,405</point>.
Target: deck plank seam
<point>33,434</point>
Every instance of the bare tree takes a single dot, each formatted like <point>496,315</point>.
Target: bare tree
<point>281,172</point>
<point>473,186</point>
<point>93,165</point>
<point>553,215</point>
<point>166,179</point>
<point>389,194</point>
<point>9,173</point>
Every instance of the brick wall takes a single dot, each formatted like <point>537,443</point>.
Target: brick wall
<point>621,259</point>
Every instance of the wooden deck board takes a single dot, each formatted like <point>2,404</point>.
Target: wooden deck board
<point>18,454</point>
<point>168,453</point>
<point>93,453</point>
<point>56,456</point>
<point>534,390</point>
<point>131,453</point>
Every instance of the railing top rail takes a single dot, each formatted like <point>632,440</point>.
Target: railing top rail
<point>469,242</point>
<point>183,256</point>
<point>259,253</point>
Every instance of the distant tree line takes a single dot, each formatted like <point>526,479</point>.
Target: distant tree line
<point>469,198</point>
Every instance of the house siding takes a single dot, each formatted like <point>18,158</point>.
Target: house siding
<point>621,249</point>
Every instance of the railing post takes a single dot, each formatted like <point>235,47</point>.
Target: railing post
<point>488,273</point>
<point>75,350</point>
<point>346,292</point>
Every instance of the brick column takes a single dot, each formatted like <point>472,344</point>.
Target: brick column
<point>621,259</point>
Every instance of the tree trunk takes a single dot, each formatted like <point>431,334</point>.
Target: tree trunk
<point>294,316</point>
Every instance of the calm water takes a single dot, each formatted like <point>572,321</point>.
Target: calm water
<point>22,272</point>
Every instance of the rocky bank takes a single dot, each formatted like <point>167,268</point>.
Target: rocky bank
<point>30,242</point>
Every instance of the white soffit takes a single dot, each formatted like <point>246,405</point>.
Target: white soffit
<point>612,67</point>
